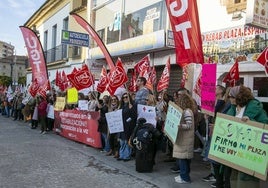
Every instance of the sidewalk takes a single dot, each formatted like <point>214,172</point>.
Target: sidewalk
<point>160,177</point>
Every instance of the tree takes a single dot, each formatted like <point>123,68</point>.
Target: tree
<point>22,80</point>
<point>5,80</point>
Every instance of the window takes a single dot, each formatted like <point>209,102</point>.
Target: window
<point>64,46</point>
<point>54,42</point>
<point>76,51</point>
<point>258,86</point>
<point>45,40</point>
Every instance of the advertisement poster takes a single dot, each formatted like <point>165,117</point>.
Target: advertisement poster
<point>242,146</point>
<point>172,122</point>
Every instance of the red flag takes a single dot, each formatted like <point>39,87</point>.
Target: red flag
<point>263,59</point>
<point>33,89</point>
<point>143,64</point>
<point>82,78</point>
<point>233,75</point>
<point>36,56</point>
<point>153,75</point>
<point>133,86</point>
<point>101,87</point>
<point>164,80</point>
<point>81,21</point>
<point>63,81</point>
<point>42,90</point>
<point>118,77</point>
<point>185,25</point>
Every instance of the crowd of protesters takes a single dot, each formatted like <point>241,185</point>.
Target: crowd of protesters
<point>236,101</point>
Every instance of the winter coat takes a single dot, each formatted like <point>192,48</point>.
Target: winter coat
<point>184,145</point>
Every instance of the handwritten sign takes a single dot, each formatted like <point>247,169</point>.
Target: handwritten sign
<point>115,121</point>
<point>208,88</point>
<point>148,113</point>
<point>60,104</point>
<point>72,96</point>
<point>83,104</point>
<point>172,122</point>
<point>240,145</point>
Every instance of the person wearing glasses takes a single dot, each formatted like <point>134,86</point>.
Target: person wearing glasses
<point>246,107</point>
<point>129,122</point>
<point>142,94</point>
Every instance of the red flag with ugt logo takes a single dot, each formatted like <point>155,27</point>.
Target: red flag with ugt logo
<point>185,25</point>
<point>233,75</point>
<point>118,77</point>
<point>81,78</point>
<point>164,80</point>
<point>143,65</point>
<point>101,87</point>
<point>33,89</point>
<point>263,59</point>
<point>36,56</point>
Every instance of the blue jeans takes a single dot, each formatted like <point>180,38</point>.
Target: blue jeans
<point>7,111</point>
<point>106,146</point>
<point>185,169</point>
<point>125,150</point>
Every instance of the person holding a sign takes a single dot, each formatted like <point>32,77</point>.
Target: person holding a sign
<point>129,115</point>
<point>246,107</point>
<point>184,145</point>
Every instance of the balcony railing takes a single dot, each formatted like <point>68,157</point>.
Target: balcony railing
<point>56,54</point>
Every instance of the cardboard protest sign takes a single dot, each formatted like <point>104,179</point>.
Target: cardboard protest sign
<point>208,88</point>
<point>172,122</point>
<point>72,96</point>
<point>115,121</point>
<point>148,113</point>
<point>60,104</point>
<point>240,145</point>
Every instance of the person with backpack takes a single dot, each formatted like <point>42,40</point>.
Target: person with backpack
<point>183,148</point>
<point>143,139</point>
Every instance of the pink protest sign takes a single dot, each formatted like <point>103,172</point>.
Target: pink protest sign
<point>208,88</point>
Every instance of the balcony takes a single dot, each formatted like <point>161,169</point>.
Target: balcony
<point>56,54</point>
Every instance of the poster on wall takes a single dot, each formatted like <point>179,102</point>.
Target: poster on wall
<point>257,13</point>
<point>240,145</point>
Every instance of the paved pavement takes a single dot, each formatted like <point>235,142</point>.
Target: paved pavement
<point>19,145</point>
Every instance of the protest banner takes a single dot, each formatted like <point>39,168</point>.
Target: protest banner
<point>81,126</point>
<point>60,104</point>
<point>72,96</point>
<point>172,122</point>
<point>148,113</point>
<point>240,145</point>
<point>208,88</point>
<point>115,121</point>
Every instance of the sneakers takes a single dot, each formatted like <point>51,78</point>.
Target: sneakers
<point>178,179</point>
<point>209,178</point>
<point>198,150</point>
<point>213,185</point>
<point>44,132</point>
<point>175,169</point>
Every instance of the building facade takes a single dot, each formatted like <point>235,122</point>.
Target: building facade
<point>131,30</point>
<point>6,49</point>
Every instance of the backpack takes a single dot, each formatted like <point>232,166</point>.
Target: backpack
<point>143,137</point>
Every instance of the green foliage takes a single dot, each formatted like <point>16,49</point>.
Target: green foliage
<point>22,80</point>
<point>5,80</point>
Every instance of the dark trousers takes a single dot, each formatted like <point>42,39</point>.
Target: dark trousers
<point>50,124</point>
<point>223,175</point>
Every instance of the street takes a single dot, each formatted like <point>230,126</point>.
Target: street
<point>29,159</point>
